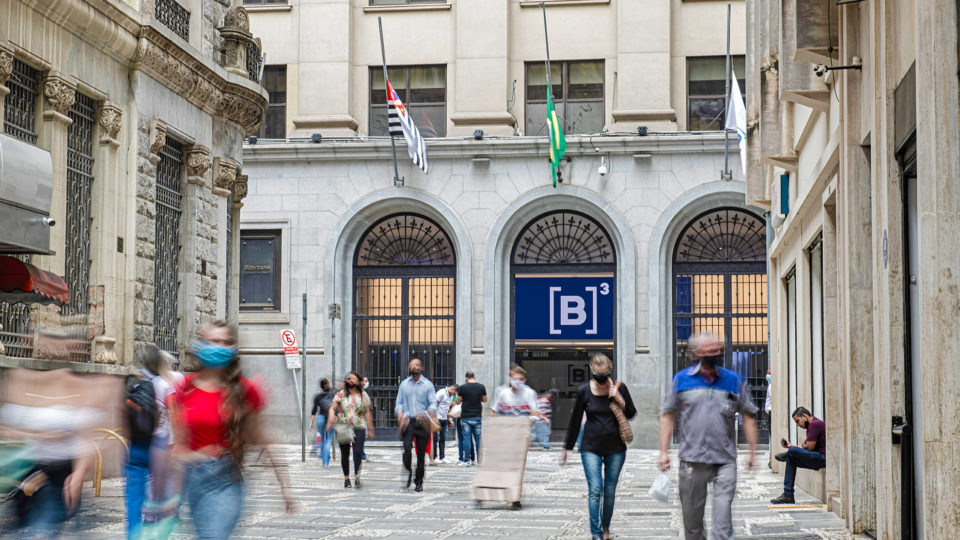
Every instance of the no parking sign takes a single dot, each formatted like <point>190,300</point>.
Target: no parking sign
<point>291,353</point>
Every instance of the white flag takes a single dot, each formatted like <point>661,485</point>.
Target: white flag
<point>738,120</point>
<point>400,123</point>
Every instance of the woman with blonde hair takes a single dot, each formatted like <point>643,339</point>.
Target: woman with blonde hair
<point>216,417</point>
<point>606,433</point>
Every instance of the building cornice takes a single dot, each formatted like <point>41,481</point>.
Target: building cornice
<point>374,149</point>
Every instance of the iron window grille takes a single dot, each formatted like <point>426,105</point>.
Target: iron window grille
<point>577,95</point>
<point>707,90</point>
<point>20,105</point>
<point>563,238</point>
<point>404,307</point>
<point>167,247</point>
<point>16,335</point>
<point>423,91</point>
<point>720,286</point>
<point>260,252</point>
<point>254,61</point>
<point>174,16</point>
<point>275,121</point>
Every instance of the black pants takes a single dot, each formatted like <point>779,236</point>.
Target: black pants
<point>440,440</point>
<point>415,431</point>
<point>359,437</point>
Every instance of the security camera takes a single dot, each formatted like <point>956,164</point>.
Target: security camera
<point>820,70</point>
<point>602,170</point>
<point>49,221</point>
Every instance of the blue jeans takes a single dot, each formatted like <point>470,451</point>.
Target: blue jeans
<point>326,440</point>
<point>541,434</point>
<point>42,514</point>
<point>137,469</point>
<point>440,439</point>
<point>798,458</point>
<point>601,486</point>
<point>215,495</point>
<point>472,428</point>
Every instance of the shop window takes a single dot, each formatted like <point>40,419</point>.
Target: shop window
<point>423,91</point>
<point>577,95</point>
<point>706,90</point>
<point>260,270</point>
<point>275,121</point>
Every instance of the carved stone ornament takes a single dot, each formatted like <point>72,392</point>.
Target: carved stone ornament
<point>236,36</point>
<point>224,172</point>
<point>104,350</point>
<point>240,187</point>
<point>158,136</point>
<point>198,160</point>
<point>111,119</point>
<point>6,65</point>
<point>237,17</point>
<point>60,93</point>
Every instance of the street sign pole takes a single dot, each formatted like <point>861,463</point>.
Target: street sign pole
<point>303,381</point>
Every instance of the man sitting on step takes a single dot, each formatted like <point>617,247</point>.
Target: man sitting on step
<point>812,455</point>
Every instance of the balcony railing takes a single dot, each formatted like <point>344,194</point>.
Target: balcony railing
<point>174,16</point>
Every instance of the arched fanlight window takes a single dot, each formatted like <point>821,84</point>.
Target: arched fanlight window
<point>561,238</point>
<point>405,240</point>
<point>724,235</point>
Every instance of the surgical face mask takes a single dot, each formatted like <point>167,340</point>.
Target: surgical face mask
<point>601,377</point>
<point>768,378</point>
<point>414,372</point>
<point>213,356</point>
<point>714,360</point>
<point>516,383</point>
<point>366,384</point>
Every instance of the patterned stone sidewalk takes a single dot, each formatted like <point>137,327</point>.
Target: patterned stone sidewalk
<point>554,505</point>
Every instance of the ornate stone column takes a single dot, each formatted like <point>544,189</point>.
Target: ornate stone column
<point>154,134</point>
<point>199,242</point>
<point>224,174</point>
<point>59,92</point>
<point>236,37</point>
<point>239,190</point>
<point>6,68</point>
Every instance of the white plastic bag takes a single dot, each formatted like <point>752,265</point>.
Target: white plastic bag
<point>661,487</point>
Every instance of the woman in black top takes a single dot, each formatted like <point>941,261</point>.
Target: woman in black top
<point>602,450</point>
<point>321,405</point>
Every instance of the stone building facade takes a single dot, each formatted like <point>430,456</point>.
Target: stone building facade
<point>143,107</point>
<point>857,163</point>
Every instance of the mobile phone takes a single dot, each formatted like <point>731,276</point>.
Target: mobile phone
<point>784,443</point>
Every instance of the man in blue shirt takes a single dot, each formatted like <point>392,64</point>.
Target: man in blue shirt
<point>415,398</point>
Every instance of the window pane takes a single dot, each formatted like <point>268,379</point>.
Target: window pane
<point>430,119</point>
<point>584,117</point>
<point>705,114</point>
<point>398,79</point>
<point>537,81</point>
<point>378,121</point>
<point>257,271</point>
<point>274,122</point>
<point>427,84</point>
<point>536,114</point>
<point>586,80</point>
<point>275,83</point>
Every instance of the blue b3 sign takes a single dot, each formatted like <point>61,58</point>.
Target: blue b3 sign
<point>563,308</point>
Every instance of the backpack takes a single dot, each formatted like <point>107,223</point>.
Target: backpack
<point>140,410</point>
<point>326,400</point>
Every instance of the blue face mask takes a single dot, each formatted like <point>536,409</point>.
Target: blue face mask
<point>768,378</point>
<point>213,356</point>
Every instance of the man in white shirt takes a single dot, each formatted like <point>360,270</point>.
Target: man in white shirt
<point>516,399</point>
<point>444,402</point>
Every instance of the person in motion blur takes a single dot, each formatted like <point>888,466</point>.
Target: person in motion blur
<point>416,398</point>
<point>704,400</point>
<point>470,424</point>
<point>318,418</point>
<point>542,424</point>
<point>445,398</point>
<point>516,399</point>
<point>216,417</point>
<point>350,410</point>
<point>607,406</point>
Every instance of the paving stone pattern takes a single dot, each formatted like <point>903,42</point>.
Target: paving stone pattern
<point>554,504</point>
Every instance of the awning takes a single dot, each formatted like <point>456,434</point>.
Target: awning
<point>26,192</point>
<point>23,282</point>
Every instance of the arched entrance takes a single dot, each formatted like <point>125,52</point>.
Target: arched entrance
<point>563,271</point>
<point>720,286</point>
<point>404,307</point>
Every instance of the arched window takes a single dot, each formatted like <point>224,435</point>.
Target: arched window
<point>720,286</point>
<point>404,307</point>
<point>563,238</point>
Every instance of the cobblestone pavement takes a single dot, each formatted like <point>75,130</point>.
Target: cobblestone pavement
<point>554,504</point>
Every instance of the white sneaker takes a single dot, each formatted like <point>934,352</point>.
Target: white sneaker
<point>463,464</point>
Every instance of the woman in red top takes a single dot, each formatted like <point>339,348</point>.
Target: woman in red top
<point>216,416</point>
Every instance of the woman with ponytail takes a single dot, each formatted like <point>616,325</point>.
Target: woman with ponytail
<point>216,414</point>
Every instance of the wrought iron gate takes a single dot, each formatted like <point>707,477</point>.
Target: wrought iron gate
<point>720,286</point>
<point>166,283</point>
<point>404,308</point>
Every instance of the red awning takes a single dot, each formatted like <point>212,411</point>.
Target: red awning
<point>23,282</point>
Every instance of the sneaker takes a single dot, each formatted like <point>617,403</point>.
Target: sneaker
<point>786,498</point>
<point>782,456</point>
<point>463,464</point>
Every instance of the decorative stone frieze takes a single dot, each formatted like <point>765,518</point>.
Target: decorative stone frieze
<point>103,350</point>
<point>224,175</point>
<point>240,189</point>
<point>60,93</point>
<point>158,136</point>
<point>6,66</point>
<point>177,69</point>
<point>236,36</point>
<point>198,162</point>
<point>111,119</point>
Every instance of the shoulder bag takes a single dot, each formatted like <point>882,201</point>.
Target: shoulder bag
<point>626,433</point>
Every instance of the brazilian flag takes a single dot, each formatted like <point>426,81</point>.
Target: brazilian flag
<point>558,144</point>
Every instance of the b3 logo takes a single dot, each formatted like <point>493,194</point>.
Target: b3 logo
<point>573,308</point>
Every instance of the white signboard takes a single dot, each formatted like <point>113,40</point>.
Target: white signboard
<point>291,353</point>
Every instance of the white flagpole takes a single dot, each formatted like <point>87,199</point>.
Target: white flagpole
<point>397,181</point>
<point>726,174</point>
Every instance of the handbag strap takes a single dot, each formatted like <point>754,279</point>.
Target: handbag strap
<point>626,432</point>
